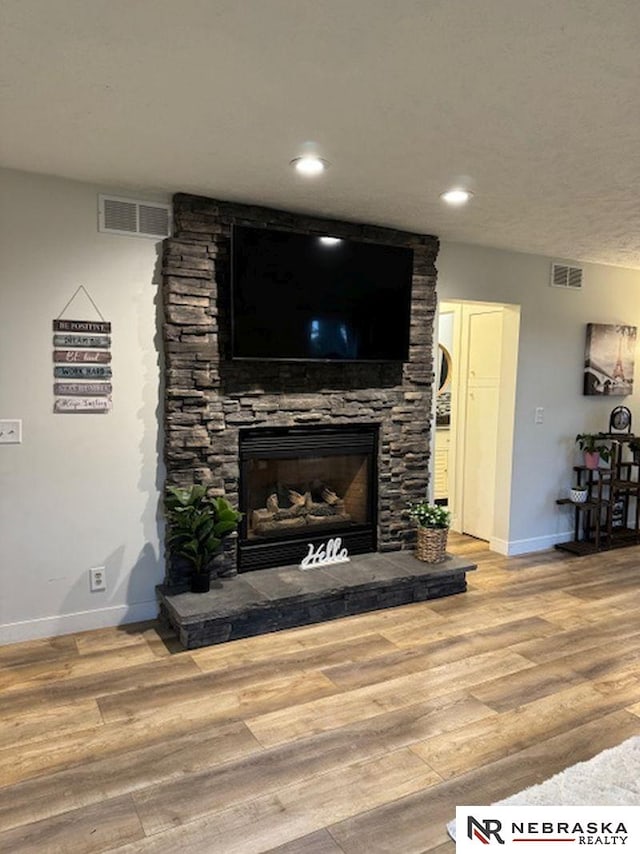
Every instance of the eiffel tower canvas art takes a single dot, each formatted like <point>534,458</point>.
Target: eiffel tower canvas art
<point>609,359</point>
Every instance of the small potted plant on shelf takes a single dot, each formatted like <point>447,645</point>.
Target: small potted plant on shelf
<point>196,525</point>
<point>594,448</point>
<point>579,494</point>
<point>433,528</point>
<point>634,447</point>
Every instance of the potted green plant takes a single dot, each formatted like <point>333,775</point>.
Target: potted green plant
<point>594,448</point>
<point>433,529</point>
<point>196,525</point>
<point>634,447</point>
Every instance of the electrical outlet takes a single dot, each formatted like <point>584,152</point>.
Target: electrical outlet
<point>97,579</point>
<point>539,418</point>
<point>10,431</point>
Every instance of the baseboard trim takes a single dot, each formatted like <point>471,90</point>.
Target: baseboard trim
<point>81,621</point>
<point>534,544</point>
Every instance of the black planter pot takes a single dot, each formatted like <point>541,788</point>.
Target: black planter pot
<point>200,582</point>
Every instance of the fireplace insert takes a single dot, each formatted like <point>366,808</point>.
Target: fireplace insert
<point>302,485</point>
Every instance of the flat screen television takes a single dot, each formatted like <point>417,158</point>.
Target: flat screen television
<point>311,298</point>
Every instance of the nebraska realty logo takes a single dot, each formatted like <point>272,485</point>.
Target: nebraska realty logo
<point>554,827</point>
<point>484,829</point>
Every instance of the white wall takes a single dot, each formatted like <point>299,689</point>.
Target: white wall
<point>81,490</point>
<point>550,363</point>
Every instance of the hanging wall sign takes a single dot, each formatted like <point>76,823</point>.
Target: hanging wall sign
<point>103,341</point>
<point>82,351</point>
<point>78,372</point>
<point>82,389</point>
<point>88,326</point>
<point>81,356</point>
<point>82,404</point>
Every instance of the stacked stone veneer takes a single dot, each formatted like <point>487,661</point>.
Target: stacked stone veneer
<point>209,398</point>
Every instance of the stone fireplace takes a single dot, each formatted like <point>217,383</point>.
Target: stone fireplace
<point>216,408</point>
<point>309,451</point>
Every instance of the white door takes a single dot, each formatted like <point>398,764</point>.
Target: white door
<point>484,355</point>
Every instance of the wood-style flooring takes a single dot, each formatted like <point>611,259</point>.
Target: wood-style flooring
<point>356,736</point>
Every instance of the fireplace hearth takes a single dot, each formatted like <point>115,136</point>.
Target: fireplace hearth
<point>301,485</point>
<point>255,603</point>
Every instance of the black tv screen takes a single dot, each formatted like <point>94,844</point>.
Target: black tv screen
<point>311,298</point>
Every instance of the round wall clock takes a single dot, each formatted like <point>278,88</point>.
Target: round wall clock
<point>620,420</point>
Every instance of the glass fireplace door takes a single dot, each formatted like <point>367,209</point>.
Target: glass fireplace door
<point>293,496</point>
<point>302,485</point>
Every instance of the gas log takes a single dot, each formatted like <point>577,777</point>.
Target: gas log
<point>288,508</point>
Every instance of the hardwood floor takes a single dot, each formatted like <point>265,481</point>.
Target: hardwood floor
<point>356,736</point>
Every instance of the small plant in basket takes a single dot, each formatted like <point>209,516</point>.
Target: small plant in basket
<point>429,515</point>
<point>433,528</point>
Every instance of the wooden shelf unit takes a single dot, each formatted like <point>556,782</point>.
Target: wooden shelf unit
<point>601,522</point>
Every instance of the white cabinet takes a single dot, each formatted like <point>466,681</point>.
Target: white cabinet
<point>441,465</point>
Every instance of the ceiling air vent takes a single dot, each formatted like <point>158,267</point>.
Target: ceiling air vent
<point>563,276</point>
<point>117,215</point>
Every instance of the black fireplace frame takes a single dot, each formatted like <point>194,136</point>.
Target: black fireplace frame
<point>307,441</point>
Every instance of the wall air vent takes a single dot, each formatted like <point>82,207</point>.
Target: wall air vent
<point>118,215</point>
<point>563,276</point>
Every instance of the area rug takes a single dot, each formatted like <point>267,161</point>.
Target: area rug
<point>612,778</point>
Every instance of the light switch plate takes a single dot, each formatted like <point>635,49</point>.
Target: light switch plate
<point>10,431</point>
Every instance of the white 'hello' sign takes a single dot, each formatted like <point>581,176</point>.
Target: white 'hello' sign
<point>325,555</point>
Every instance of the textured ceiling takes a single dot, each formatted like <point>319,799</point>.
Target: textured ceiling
<point>534,104</point>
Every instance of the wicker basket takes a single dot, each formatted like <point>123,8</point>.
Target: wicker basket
<point>431,546</point>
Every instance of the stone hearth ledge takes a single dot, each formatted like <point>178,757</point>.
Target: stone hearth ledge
<point>269,600</point>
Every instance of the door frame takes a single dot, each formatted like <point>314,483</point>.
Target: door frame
<point>499,539</point>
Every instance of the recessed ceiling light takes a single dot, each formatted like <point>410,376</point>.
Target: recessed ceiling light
<point>457,196</point>
<point>309,165</point>
<point>330,241</point>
